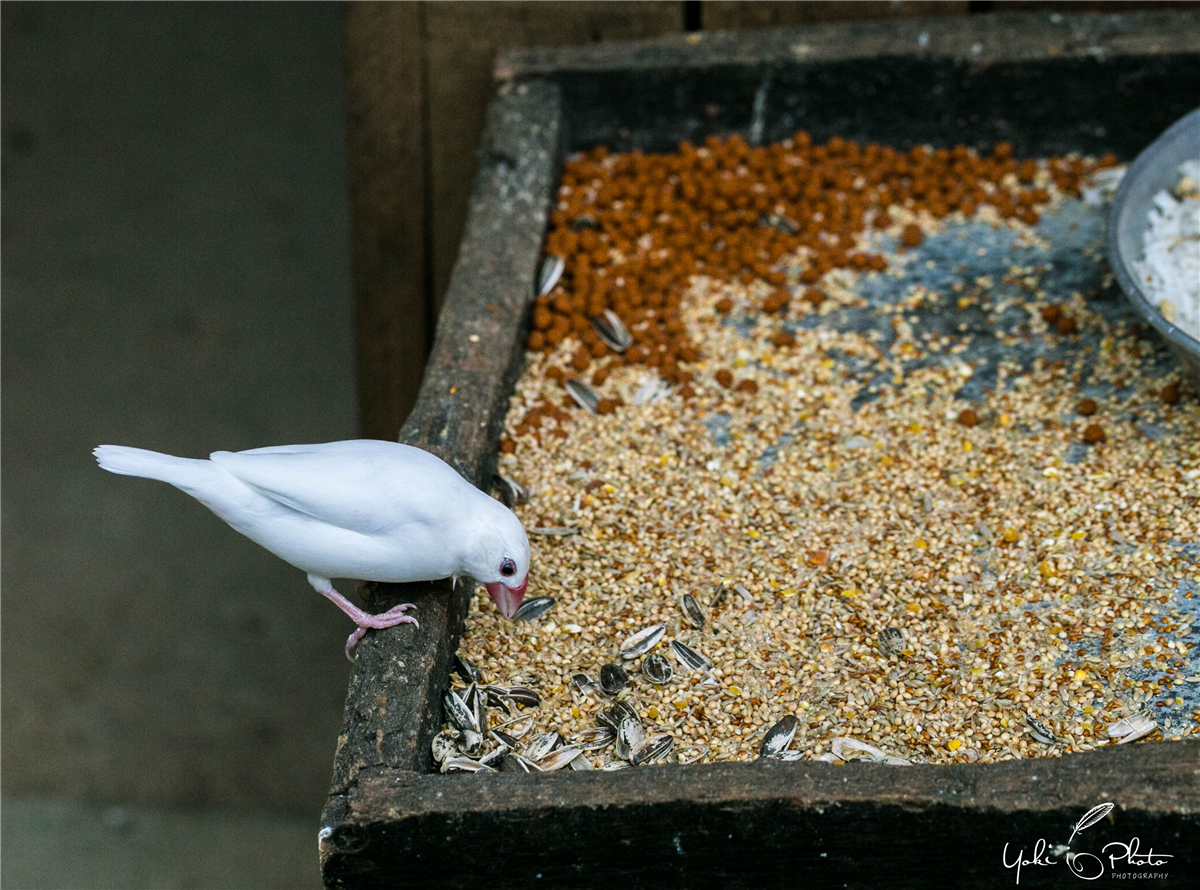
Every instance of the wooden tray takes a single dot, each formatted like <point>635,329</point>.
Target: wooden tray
<point>1046,83</point>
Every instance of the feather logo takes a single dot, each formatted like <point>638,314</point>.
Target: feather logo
<point>1090,818</point>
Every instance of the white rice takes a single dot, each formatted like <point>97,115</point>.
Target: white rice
<point>1170,269</point>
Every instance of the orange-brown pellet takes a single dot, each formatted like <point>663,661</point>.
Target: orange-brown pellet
<point>776,300</point>
<point>783,338</point>
<point>1094,434</point>
<point>1051,314</point>
<point>968,417</point>
<point>747,385</point>
<point>634,228</point>
<point>1086,408</point>
<point>1170,394</point>
<point>725,377</point>
<point>1066,325</point>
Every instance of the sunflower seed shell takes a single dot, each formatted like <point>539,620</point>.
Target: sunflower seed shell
<point>656,669</point>
<point>585,397</point>
<point>534,608</point>
<point>778,737</point>
<point>460,715</point>
<point>613,678</point>
<point>584,684</point>
<point>891,640</point>
<point>651,749</point>
<point>642,641</point>
<point>541,745</point>
<point>595,738</point>
<point>849,749</point>
<point>444,745</point>
<point>1132,728</point>
<point>612,331</point>
<point>558,758</point>
<point>691,610</point>
<point>1039,731</point>
<point>551,272</point>
<point>464,765</point>
<point>689,657</point>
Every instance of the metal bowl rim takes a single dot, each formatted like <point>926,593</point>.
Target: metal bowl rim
<point>1144,161</point>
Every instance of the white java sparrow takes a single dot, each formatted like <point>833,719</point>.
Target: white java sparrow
<point>363,509</point>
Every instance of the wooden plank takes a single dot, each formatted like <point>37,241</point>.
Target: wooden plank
<point>1077,6</point>
<point>386,158</point>
<point>461,42</point>
<point>769,824</point>
<point>980,40</point>
<point>393,704</point>
<point>733,14</point>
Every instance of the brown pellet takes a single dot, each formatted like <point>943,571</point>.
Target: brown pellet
<point>776,301</point>
<point>1094,434</point>
<point>1086,408</point>
<point>911,236</point>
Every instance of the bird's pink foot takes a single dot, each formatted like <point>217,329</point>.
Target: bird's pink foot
<point>393,616</point>
<point>365,620</point>
<point>390,618</point>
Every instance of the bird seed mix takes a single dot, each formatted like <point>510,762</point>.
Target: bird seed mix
<point>889,471</point>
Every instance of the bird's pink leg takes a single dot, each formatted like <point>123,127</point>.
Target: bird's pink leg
<point>364,620</point>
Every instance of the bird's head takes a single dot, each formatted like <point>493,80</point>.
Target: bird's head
<point>499,559</point>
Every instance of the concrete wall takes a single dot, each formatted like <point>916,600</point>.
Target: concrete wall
<point>175,275</point>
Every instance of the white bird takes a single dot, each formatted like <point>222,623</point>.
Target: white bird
<point>363,509</point>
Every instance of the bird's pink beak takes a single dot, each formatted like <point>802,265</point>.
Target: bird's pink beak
<point>507,598</point>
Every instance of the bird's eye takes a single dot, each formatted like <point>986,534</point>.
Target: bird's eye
<point>508,568</point>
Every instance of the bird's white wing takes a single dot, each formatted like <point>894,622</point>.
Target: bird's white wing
<point>367,486</point>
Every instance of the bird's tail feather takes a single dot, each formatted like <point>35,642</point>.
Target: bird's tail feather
<point>178,471</point>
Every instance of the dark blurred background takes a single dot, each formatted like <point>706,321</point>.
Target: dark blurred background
<point>200,252</point>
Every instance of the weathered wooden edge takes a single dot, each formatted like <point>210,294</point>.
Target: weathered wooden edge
<point>978,39</point>
<point>393,702</point>
<point>380,752</point>
<point>383,134</point>
<point>722,824</point>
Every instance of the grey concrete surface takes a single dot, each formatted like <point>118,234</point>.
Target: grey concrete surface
<point>59,844</point>
<point>175,275</point>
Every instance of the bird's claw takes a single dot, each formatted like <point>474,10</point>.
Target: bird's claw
<point>352,642</point>
<point>390,618</point>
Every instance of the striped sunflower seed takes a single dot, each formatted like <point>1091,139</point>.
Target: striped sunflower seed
<point>642,641</point>
<point>691,610</point>
<point>656,669</point>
